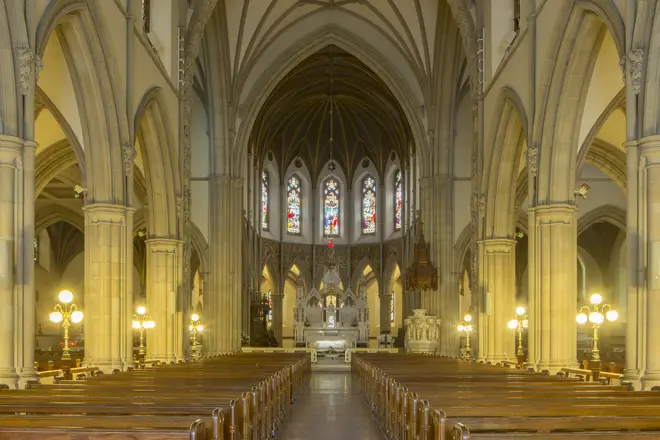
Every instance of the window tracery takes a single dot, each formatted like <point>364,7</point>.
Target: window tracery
<point>369,205</point>
<point>265,188</point>
<point>398,200</point>
<point>294,205</point>
<point>331,208</point>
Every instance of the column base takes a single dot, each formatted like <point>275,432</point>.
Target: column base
<point>26,375</point>
<point>634,377</point>
<point>650,380</point>
<point>106,365</point>
<point>9,377</point>
<point>554,367</point>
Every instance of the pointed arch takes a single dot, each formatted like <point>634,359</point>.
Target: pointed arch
<point>501,178</point>
<point>96,84</point>
<point>47,215</point>
<point>358,271</point>
<point>604,213</point>
<point>160,164</point>
<point>300,265</point>
<point>566,83</point>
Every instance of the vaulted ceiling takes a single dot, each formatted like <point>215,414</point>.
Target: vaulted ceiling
<point>332,107</point>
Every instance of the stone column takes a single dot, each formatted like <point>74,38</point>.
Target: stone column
<point>385,321</point>
<point>552,287</point>
<point>108,290</point>
<point>650,207</point>
<point>495,338</point>
<point>227,233</point>
<point>164,272</point>
<point>27,307</point>
<point>10,159</point>
<point>278,315</point>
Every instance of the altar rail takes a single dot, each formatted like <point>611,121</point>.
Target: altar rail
<point>349,351</point>
<point>311,351</point>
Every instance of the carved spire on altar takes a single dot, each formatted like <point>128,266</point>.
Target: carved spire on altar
<point>422,274</point>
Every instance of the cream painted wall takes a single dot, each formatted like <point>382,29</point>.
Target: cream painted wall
<point>373,303</point>
<point>200,167</point>
<point>606,82</point>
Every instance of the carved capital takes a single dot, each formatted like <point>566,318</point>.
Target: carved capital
<point>129,154</point>
<point>533,159</point>
<point>635,62</point>
<point>25,60</point>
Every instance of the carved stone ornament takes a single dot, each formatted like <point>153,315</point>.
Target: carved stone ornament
<point>38,67</point>
<point>636,59</point>
<point>129,157</point>
<point>481,203</point>
<point>422,332</point>
<point>25,59</point>
<point>533,160</point>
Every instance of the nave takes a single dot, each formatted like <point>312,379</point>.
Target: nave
<point>330,408</point>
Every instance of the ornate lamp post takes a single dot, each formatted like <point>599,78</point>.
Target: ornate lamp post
<point>142,322</point>
<point>195,327</point>
<point>466,326</point>
<point>66,313</point>
<point>594,314</point>
<point>518,323</point>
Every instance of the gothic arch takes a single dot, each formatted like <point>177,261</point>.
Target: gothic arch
<point>200,246</point>
<point>605,213</point>
<point>52,161</point>
<point>500,180</point>
<point>94,78</point>
<point>329,35</point>
<point>461,248</point>
<point>52,213</point>
<point>304,273</point>
<point>357,272</point>
<point>390,266</point>
<point>566,81</point>
<point>160,164</point>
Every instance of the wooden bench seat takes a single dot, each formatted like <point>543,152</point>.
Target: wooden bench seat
<point>428,397</point>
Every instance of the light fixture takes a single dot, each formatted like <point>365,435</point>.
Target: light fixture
<point>465,326</point>
<point>582,191</point>
<point>66,313</point>
<point>518,323</point>
<point>594,315</point>
<point>142,322</point>
<point>194,328</point>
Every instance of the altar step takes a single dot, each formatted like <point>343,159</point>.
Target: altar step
<point>331,367</point>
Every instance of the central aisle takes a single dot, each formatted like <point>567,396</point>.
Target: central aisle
<point>331,408</point>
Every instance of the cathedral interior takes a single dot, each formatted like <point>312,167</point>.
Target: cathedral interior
<point>182,179</point>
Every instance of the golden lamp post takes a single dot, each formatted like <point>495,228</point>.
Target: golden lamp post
<point>142,322</point>
<point>518,323</point>
<point>466,326</point>
<point>194,328</point>
<point>66,313</point>
<point>594,314</point>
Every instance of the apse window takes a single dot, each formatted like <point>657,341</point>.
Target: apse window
<point>398,200</point>
<point>331,208</point>
<point>294,206</point>
<point>265,187</point>
<point>369,206</point>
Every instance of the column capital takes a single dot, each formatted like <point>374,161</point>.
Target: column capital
<point>11,148</point>
<point>633,143</point>
<point>554,213</point>
<point>498,245</point>
<point>650,148</point>
<point>106,212</point>
<point>164,242</point>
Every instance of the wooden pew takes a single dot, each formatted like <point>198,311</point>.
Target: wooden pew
<point>253,391</point>
<point>412,397</point>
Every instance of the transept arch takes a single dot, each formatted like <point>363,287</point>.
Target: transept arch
<point>604,213</point>
<point>502,176</point>
<point>161,170</point>
<point>52,213</point>
<point>104,124</point>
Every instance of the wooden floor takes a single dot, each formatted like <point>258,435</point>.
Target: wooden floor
<point>330,408</point>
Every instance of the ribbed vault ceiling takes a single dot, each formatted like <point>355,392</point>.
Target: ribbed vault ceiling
<point>332,107</point>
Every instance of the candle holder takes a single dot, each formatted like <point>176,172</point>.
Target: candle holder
<point>66,313</point>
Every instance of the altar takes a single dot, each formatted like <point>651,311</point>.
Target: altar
<point>331,318</point>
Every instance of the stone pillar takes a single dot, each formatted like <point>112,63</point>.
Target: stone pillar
<point>495,338</point>
<point>108,290</point>
<point>164,272</point>
<point>10,154</point>
<point>227,234</point>
<point>650,203</point>
<point>278,315</point>
<point>552,287</point>
<point>636,283</point>
<point>385,320</point>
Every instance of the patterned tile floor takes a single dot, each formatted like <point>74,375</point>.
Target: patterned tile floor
<point>331,408</point>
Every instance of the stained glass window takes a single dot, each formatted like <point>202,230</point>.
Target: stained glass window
<point>392,307</point>
<point>369,205</point>
<point>331,208</point>
<point>398,200</point>
<point>293,203</point>
<point>265,187</point>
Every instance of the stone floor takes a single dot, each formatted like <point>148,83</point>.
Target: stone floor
<point>331,408</point>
